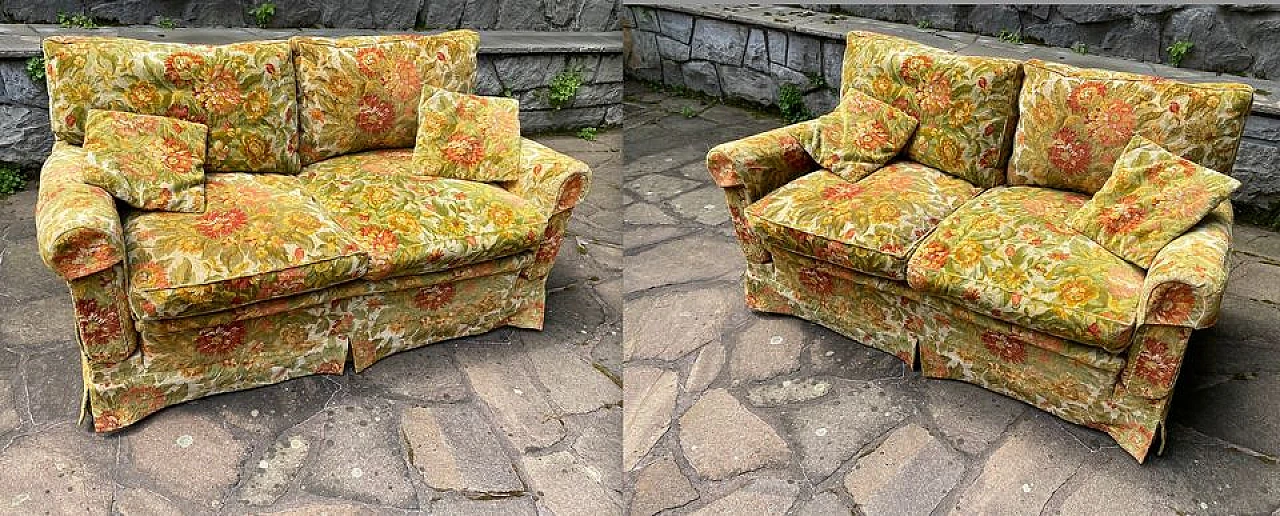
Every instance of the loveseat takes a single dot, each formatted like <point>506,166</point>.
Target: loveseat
<point>318,243</point>
<point>957,257</point>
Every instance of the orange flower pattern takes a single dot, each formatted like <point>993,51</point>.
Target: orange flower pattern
<point>77,227</point>
<point>470,137</point>
<point>859,136</point>
<point>1152,197</point>
<point>1075,123</point>
<point>1031,269</point>
<point>966,105</point>
<point>260,238</point>
<point>412,224</point>
<point>359,93</point>
<point>244,93</point>
<point>871,226</point>
<point>150,162</point>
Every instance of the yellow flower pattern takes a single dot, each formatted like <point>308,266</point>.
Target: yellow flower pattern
<point>470,137</point>
<point>150,162</point>
<point>859,136</point>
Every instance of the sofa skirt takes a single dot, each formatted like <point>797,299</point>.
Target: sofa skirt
<point>237,350</point>
<point>1078,383</point>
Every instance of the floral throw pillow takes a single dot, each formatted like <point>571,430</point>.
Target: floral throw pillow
<point>859,136</point>
<point>470,137</point>
<point>149,162</point>
<point>1152,197</point>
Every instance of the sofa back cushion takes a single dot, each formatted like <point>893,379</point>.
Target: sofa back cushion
<point>966,105</point>
<point>245,93</point>
<point>360,93</point>
<point>1077,121</point>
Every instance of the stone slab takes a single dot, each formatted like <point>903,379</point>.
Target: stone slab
<point>455,450</point>
<point>721,438</point>
<point>909,473</point>
<point>566,488</point>
<point>358,463</point>
<point>761,495</point>
<point>669,325</point>
<point>649,399</point>
<point>661,486</point>
<point>833,431</point>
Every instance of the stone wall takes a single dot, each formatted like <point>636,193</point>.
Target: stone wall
<point>750,54</point>
<point>540,15</point>
<point>520,70</point>
<point>1242,39</point>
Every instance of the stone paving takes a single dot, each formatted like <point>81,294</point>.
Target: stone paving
<point>727,411</point>
<point>509,422</point>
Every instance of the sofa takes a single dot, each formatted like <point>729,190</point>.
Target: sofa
<point>318,243</point>
<point>956,256</point>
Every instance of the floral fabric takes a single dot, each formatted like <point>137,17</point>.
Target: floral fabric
<point>77,227</point>
<point>859,136</point>
<point>260,238</point>
<point>1076,122</point>
<point>462,136</point>
<point>966,105</point>
<point>103,321</point>
<point>1152,197</point>
<point>551,181</point>
<point>1185,283</point>
<point>362,92</point>
<point>150,162</point>
<point>1010,255</point>
<point>871,225</point>
<point>245,93</point>
<point>1155,359</point>
<point>410,224</point>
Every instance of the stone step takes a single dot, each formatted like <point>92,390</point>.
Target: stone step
<point>23,40</point>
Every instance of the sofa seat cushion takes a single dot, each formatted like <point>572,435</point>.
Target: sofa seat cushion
<point>260,237</point>
<point>413,224</point>
<point>1010,254</point>
<point>871,225</point>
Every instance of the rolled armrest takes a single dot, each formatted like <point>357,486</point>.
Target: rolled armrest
<point>761,163</point>
<point>553,181</point>
<point>750,168</point>
<point>1185,282</point>
<point>103,320</point>
<point>77,226</point>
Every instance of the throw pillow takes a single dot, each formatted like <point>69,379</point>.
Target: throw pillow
<point>149,162</point>
<point>859,136</point>
<point>463,136</point>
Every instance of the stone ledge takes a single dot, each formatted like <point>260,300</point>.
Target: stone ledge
<point>835,26</point>
<point>23,40</point>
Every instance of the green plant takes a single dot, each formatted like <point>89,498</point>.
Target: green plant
<point>35,69</point>
<point>263,13</point>
<point>1010,37</point>
<point>1178,50</point>
<point>564,86</point>
<point>588,133</point>
<point>816,80</point>
<point>11,181</point>
<point>165,22</point>
<point>791,103</point>
<point>924,25</point>
<point>688,112</point>
<point>80,20</point>
<point>1080,48</point>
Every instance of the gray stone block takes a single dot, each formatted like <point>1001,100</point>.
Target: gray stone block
<point>25,135</point>
<point>646,18</point>
<point>44,11</point>
<point>599,15</point>
<point>821,101</point>
<point>598,95</point>
<point>568,118</point>
<point>1216,46</point>
<point>672,74</point>
<point>480,13</point>
<point>777,42</point>
<point>643,60</point>
<point>609,69</point>
<point>1262,128</point>
<point>701,76</point>
<point>613,115</point>
<point>832,62</point>
<point>783,75</point>
<point>991,19</point>
<point>804,54</point>
<point>940,16</point>
<point>520,73</point>
<point>718,41</point>
<point>523,15</point>
<point>1139,39</point>
<point>560,13</point>
<point>671,49</point>
<point>677,26</point>
<point>587,64</point>
<point>487,82</point>
<point>1258,169</point>
<point>748,85</point>
<point>442,14</point>
<point>756,56</point>
<point>16,87</point>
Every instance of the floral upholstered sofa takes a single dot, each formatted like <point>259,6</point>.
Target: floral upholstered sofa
<point>957,255</point>
<point>318,240</point>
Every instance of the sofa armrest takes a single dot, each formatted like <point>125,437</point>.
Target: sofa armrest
<point>550,180</point>
<point>750,168</point>
<point>763,162</point>
<point>77,226</point>
<point>1185,282</point>
<point>103,320</point>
